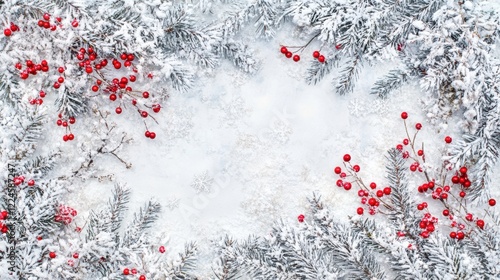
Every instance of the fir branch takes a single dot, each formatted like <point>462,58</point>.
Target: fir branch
<point>142,221</point>
<point>390,82</point>
<point>71,103</point>
<point>348,76</point>
<point>317,71</point>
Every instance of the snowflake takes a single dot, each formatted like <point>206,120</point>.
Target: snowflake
<point>173,203</point>
<point>380,107</point>
<point>280,132</point>
<point>234,110</point>
<point>202,183</point>
<point>357,107</point>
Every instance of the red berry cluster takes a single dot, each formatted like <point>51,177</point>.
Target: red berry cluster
<point>133,271</point>
<point>441,191</point>
<point>32,68</point>
<point>66,123</point>
<point>319,56</point>
<point>370,196</point>
<point>19,180</point>
<point>65,214</point>
<point>46,22</point>
<point>289,54</point>
<point>3,216</point>
<point>8,31</point>
<point>427,223</point>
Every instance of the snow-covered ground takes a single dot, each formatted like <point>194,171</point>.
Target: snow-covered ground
<point>239,152</point>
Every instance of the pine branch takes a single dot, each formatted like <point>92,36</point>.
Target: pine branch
<point>142,221</point>
<point>71,103</point>
<point>390,82</point>
<point>317,71</point>
<point>348,76</point>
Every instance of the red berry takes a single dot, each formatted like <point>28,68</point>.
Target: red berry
<point>447,139</point>
<point>60,69</point>
<point>74,24</point>
<point>424,234</point>
<point>118,110</point>
<point>52,255</point>
<point>42,94</point>
<point>360,210</point>
<point>372,201</point>
<point>373,185</point>
<point>404,115</point>
<point>301,218</point>
<point>387,191</point>
<point>31,183</point>
<point>147,134</point>
<point>480,224</point>
<point>455,179</point>
<point>144,114</point>
<point>57,85</point>
<point>19,66</point>
<point>296,58</point>
<point>347,157</point>
<point>134,271</point>
<point>356,168</point>
<point>288,55</point>
<point>453,234</point>
<point>492,202</point>
<point>316,54</point>
<point>88,69</point>
<point>117,64</point>
<point>462,194</point>
<point>420,207</point>
<point>446,212</point>
<point>145,94</point>
<point>463,170</point>
<point>361,193</point>
<point>142,277</point>
<point>95,88</point>
<point>46,16</point>
<point>284,50</point>
<point>127,63</point>
<point>460,235</point>
<point>132,78</point>
<point>112,97</point>
<point>380,193</point>
<point>338,46</point>
<point>75,255</point>
<point>321,58</point>
<point>71,137</point>
<point>400,47</point>
<point>7,32</point>
<point>406,142</point>
<point>130,57</point>
<point>72,120</point>
<point>60,79</point>
<point>123,56</point>
<point>126,271</point>
<point>156,108</point>
<point>59,122</point>
<point>339,183</point>
<point>347,186</point>
<point>399,147</point>
<point>161,249</point>
<point>65,138</point>
<point>337,170</point>
<point>420,152</point>
<point>418,126</point>
<point>14,27</point>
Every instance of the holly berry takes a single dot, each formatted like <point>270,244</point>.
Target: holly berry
<point>118,110</point>
<point>126,271</point>
<point>347,157</point>
<point>462,194</point>
<point>446,212</point>
<point>296,58</point>
<point>7,32</point>
<point>145,94</point>
<point>447,139</point>
<point>301,218</point>
<point>288,54</point>
<point>152,135</point>
<point>284,50</point>
<point>420,152</point>
<point>372,201</point>
<point>321,58</point>
<point>453,234</point>
<point>420,207</point>
<point>380,193</point>
<point>147,134</point>
<point>492,202</point>
<point>316,54</point>
<point>60,80</point>
<point>347,186</point>
<point>404,115</point>
<point>463,170</point>
<point>356,168</point>
<point>95,88</point>
<point>418,126</point>
<point>480,224</point>
<point>31,183</point>
<point>373,185</point>
<point>71,137</point>
<point>112,97</point>
<point>360,210</point>
<point>161,249</point>
<point>57,85</point>
<point>52,255</point>
<point>460,235</point>
<point>387,190</point>
<point>144,114</point>
<point>74,24</point>
<point>75,255</point>
<point>337,170</point>
<point>156,108</point>
<point>130,57</point>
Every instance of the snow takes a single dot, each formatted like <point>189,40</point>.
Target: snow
<point>239,152</point>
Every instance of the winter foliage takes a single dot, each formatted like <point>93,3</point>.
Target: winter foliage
<point>84,59</point>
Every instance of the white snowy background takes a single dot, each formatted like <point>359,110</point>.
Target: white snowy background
<point>239,151</point>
